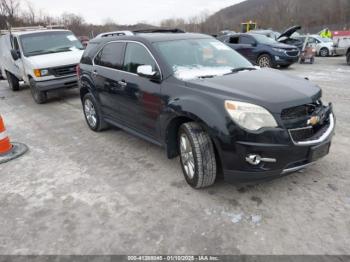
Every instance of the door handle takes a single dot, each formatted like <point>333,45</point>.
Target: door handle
<point>122,83</point>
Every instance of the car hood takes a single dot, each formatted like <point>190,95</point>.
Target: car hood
<point>55,59</point>
<point>289,32</point>
<point>269,88</point>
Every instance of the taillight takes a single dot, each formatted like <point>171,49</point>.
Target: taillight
<point>77,69</point>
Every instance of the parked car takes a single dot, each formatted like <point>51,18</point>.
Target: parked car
<point>84,40</point>
<point>262,50</point>
<point>44,59</point>
<point>324,46</point>
<point>204,102</point>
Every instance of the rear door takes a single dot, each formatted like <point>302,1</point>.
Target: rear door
<point>247,47</point>
<point>140,99</point>
<point>107,75</point>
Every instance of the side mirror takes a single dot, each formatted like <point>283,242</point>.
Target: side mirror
<point>15,54</point>
<point>146,71</point>
<point>255,44</point>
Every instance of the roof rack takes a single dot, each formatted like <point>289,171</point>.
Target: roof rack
<point>142,31</point>
<point>115,33</point>
<point>159,30</point>
<point>31,28</point>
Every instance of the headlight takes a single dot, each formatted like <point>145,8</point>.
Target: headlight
<point>250,116</point>
<point>279,50</point>
<point>41,72</point>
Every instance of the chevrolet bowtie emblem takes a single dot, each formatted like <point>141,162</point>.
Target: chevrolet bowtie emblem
<point>314,120</point>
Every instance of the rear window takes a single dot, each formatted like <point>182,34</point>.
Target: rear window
<point>89,53</point>
<point>111,56</point>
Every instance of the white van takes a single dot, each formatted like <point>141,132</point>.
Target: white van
<point>44,59</point>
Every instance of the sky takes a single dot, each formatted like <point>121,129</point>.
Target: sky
<point>130,11</point>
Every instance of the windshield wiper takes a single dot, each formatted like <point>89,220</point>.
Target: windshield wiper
<point>62,49</point>
<point>239,69</point>
<point>207,76</point>
<point>39,52</point>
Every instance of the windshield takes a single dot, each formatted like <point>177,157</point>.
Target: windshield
<point>49,42</point>
<point>262,39</point>
<point>326,40</point>
<point>197,58</point>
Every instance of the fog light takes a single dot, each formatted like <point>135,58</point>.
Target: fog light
<point>256,160</point>
<point>277,58</point>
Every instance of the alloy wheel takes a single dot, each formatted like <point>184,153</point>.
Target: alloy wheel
<point>324,52</point>
<point>90,113</point>
<point>187,157</point>
<point>264,62</point>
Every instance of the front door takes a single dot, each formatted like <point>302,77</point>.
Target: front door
<point>19,67</point>
<point>140,102</point>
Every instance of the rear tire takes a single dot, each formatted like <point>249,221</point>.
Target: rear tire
<point>13,81</point>
<point>40,97</point>
<point>93,114</point>
<point>197,156</point>
<point>324,52</point>
<point>265,60</point>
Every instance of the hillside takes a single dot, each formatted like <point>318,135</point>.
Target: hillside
<point>313,15</point>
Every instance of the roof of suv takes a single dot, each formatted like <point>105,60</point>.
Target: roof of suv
<point>39,31</point>
<point>154,37</point>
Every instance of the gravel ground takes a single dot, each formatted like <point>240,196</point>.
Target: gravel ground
<point>77,192</point>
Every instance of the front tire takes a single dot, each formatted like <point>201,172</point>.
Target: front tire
<point>348,58</point>
<point>324,52</point>
<point>265,60</point>
<point>13,81</point>
<point>197,156</point>
<point>40,97</point>
<point>93,114</point>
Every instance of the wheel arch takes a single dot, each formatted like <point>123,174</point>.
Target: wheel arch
<point>86,87</point>
<point>205,114</point>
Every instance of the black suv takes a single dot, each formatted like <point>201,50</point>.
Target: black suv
<point>262,50</point>
<point>199,99</point>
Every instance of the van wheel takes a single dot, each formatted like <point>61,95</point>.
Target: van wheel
<point>13,81</point>
<point>348,58</point>
<point>265,61</point>
<point>197,156</point>
<point>93,114</point>
<point>40,97</point>
<point>324,52</point>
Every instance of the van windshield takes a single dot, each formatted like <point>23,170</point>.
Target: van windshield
<point>49,42</point>
<point>201,58</point>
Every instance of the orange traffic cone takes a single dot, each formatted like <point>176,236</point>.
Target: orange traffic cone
<point>9,151</point>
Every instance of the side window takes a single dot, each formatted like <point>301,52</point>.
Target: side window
<point>111,56</point>
<point>246,40</point>
<point>234,40</point>
<point>135,56</point>
<point>15,44</point>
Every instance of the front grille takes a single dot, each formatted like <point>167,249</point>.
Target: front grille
<point>300,111</point>
<point>293,53</point>
<point>309,133</point>
<point>64,70</point>
<point>307,122</point>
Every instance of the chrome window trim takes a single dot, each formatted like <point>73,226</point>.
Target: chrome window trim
<point>126,41</point>
<point>317,141</point>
